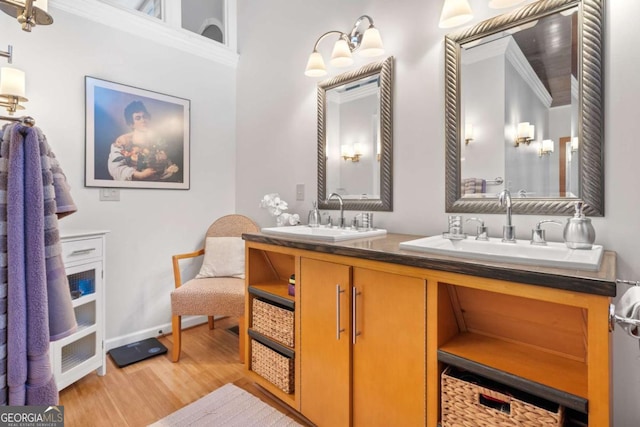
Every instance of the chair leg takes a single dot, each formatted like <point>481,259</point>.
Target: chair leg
<point>241,337</point>
<point>176,332</point>
<point>210,322</point>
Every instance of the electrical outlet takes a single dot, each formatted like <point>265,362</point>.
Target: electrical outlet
<point>109,195</point>
<point>300,192</point>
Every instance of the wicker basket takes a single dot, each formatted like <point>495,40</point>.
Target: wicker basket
<point>474,404</point>
<point>273,321</point>
<point>272,366</point>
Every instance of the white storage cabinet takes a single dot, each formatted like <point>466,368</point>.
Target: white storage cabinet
<point>82,352</point>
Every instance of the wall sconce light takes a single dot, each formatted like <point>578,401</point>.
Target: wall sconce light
<point>525,133</point>
<point>368,42</point>
<point>29,13</point>
<point>353,153</point>
<point>468,133</point>
<point>454,13</point>
<point>574,144</point>
<point>546,147</point>
<point>12,85</point>
<point>501,4</point>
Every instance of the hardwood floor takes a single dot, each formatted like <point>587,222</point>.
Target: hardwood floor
<point>142,393</point>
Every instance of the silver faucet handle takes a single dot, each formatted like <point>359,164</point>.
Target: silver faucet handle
<point>482,232</point>
<point>538,233</point>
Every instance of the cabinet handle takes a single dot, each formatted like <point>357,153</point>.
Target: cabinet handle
<point>356,332</point>
<point>82,251</point>
<point>338,330</point>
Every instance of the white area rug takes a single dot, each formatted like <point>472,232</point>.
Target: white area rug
<point>228,406</point>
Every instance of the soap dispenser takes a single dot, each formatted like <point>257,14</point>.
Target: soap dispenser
<point>578,232</point>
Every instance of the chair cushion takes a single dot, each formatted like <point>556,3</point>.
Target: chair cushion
<point>223,257</point>
<point>222,296</point>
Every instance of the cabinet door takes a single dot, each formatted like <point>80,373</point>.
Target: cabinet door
<point>324,342</point>
<point>389,364</point>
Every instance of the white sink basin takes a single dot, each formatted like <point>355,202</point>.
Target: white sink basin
<point>554,254</point>
<point>323,233</point>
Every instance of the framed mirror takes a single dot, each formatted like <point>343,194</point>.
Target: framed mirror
<point>355,138</point>
<point>524,110</point>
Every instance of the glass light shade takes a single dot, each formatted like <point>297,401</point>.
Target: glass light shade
<point>341,56</point>
<point>346,150</point>
<point>532,131</point>
<point>574,143</point>
<point>523,129</point>
<point>41,4</point>
<point>358,148</point>
<point>315,66</point>
<point>468,131</point>
<point>547,146</point>
<point>454,13</point>
<point>501,4</point>
<point>371,44</point>
<point>12,82</point>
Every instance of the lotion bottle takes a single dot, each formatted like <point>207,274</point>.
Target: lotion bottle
<point>578,232</point>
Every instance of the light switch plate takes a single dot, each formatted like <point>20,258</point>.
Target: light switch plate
<point>109,195</point>
<point>300,192</point>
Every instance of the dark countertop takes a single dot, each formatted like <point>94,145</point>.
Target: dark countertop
<point>386,249</point>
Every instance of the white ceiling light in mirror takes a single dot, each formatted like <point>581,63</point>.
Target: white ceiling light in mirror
<point>367,42</point>
<point>454,13</point>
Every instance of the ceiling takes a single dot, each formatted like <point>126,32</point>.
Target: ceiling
<point>551,48</point>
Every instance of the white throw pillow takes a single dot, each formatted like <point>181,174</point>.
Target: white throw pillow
<point>223,257</point>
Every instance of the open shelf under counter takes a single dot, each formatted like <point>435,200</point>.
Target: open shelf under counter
<point>554,377</point>
<point>275,291</point>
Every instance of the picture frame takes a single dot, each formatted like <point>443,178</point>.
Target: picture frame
<point>135,138</point>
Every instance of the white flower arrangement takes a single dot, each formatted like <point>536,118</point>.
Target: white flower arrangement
<point>276,207</point>
<point>274,204</point>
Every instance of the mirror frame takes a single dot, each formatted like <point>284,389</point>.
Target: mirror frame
<point>590,121</point>
<point>385,202</point>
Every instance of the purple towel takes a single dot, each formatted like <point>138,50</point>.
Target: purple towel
<point>39,306</point>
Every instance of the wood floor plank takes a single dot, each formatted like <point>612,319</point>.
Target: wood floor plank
<point>142,393</point>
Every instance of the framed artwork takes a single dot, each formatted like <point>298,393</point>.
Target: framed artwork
<point>135,138</point>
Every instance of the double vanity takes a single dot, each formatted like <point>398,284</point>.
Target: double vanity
<point>377,320</point>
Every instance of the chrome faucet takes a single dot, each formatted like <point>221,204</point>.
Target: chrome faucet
<point>341,221</point>
<point>508,230</point>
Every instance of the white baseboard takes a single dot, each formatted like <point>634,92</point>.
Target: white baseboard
<point>187,322</point>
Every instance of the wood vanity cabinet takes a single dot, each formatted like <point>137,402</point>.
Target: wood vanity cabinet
<point>362,352</point>
<point>375,328</point>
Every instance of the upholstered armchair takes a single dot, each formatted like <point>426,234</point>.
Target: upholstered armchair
<point>218,289</point>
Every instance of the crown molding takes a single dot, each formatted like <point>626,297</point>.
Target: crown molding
<point>509,48</point>
<point>515,56</point>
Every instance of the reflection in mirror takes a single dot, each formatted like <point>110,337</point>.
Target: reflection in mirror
<point>516,83</point>
<point>352,109</point>
<point>355,138</point>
